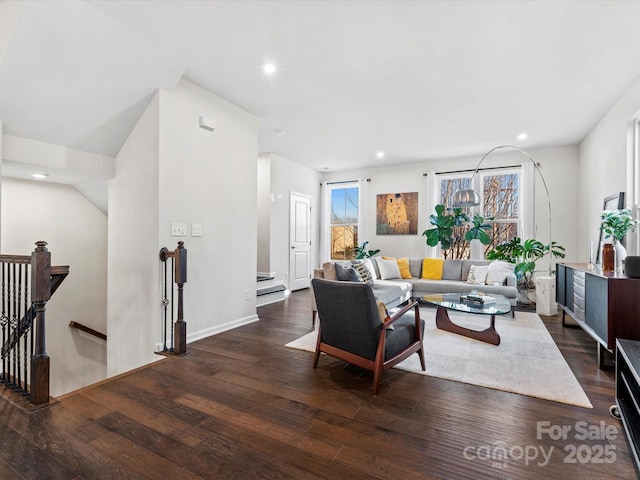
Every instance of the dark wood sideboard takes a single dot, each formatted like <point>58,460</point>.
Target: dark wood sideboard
<point>628,394</point>
<point>605,304</point>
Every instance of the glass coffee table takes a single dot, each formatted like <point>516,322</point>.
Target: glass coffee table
<point>454,301</point>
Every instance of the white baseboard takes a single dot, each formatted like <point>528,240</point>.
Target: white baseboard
<point>207,332</point>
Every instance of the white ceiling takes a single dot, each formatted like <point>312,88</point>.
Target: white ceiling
<point>418,79</point>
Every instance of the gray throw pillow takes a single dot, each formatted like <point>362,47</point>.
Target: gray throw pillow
<point>452,270</point>
<point>346,273</point>
<point>415,267</point>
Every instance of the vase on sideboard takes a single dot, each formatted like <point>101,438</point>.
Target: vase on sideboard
<point>608,258</point>
<point>621,254</point>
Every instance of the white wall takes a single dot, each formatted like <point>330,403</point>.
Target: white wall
<point>603,164</point>
<point>76,233</point>
<point>1,157</point>
<point>264,213</point>
<point>287,177</point>
<point>210,178</point>
<point>559,167</point>
<point>133,290</point>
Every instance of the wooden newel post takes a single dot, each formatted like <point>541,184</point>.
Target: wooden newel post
<point>180,332</point>
<point>40,293</point>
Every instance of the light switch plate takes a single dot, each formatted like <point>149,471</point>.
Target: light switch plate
<point>178,229</point>
<point>196,230</point>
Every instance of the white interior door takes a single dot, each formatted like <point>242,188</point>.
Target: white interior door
<point>300,241</point>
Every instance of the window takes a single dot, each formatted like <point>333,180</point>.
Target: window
<point>500,206</point>
<point>501,202</point>
<point>344,215</point>
<point>448,186</point>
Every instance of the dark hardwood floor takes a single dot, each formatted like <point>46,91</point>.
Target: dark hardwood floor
<point>240,405</point>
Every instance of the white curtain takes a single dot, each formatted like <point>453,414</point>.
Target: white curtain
<point>323,252</point>
<point>433,198</point>
<point>527,200</point>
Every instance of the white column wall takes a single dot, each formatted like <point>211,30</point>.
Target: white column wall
<point>210,178</point>
<point>1,157</point>
<point>264,213</point>
<point>133,287</point>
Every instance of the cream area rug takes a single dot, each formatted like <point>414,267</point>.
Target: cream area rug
<point>527,361</point>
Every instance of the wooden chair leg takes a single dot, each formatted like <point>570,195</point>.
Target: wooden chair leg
<point>376,380</point>
<point>317,354</point>
<point>421,355</point>
<point>313,318</point>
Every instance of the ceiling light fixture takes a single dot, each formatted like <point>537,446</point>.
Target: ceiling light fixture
<point>269,68</point>
<point>380,154</point>
<point>522,136</point>
<point>40,175</point>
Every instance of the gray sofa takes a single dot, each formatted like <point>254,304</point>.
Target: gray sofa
<point>396,291</point>
<point>454,280</point>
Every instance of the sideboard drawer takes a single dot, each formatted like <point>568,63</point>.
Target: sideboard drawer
<point>578,312</point>
<point>578,301</point>
<point>578,283</point>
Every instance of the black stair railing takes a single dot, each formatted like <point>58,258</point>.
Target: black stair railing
<point>174,343</point>
<point>26,284</point>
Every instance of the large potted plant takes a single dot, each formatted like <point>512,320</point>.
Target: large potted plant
<point>616,224</point>
<point>453,230</point>
<point>524,254</point>
<point>362,252</point>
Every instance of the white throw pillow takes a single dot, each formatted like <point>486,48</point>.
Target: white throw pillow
<point>368,262</point>
<point>498,271</point>
<point>388,269</point>
<point>477,274</point>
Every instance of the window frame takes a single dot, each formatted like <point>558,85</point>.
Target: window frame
<point>328,220</point>
<point>477,251</point>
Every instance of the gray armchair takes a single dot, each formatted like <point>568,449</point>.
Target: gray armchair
<point>351,328</point>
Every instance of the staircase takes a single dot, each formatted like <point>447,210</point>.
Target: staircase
<point>26,284</point>
<point>268,290</point>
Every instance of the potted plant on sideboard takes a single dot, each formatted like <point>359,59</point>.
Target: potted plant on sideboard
<point>616,224</point>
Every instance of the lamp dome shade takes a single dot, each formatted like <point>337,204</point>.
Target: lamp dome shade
<point>467,197</point>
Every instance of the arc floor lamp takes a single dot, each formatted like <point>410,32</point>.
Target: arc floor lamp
<point>468,197</point>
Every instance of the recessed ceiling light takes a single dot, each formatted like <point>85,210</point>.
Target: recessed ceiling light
<point>40,175</point>
<point>522,136</point>
<point>380,154</point>
<point>269,68</point>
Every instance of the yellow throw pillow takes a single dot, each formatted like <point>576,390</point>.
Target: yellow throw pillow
<point>432,268</point>
<point>403,265</point>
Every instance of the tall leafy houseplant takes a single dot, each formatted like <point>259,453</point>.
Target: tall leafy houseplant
<point>524,254</point>
<point>449,231</point>
<point>362,252</point>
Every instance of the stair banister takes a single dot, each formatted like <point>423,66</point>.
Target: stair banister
<point>40,294</point>
<point>179,329</point>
